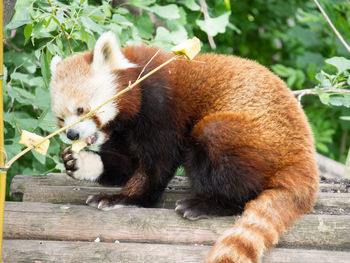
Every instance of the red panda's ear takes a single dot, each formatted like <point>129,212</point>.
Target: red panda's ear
<point>54,62</point>
<point>107,53</point>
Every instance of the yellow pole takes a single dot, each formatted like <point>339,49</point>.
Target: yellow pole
<point>2,148</point>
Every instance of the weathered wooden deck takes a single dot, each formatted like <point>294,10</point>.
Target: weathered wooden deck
<point>53,224</point>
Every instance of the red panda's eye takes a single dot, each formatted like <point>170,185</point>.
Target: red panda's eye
<point>80,111</point>
<point>60,119</point>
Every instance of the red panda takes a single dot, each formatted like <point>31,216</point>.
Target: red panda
<point>241,136</point>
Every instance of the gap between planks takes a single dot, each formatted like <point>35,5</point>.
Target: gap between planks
<point>65,251</point>
<point>59,188</point>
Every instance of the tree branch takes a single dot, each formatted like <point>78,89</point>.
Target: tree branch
<point>300,93</point>
<point>64,31</point>
<point>332,26</point>
<point>204,9</point>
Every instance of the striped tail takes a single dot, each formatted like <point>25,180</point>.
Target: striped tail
<point>292,192</point>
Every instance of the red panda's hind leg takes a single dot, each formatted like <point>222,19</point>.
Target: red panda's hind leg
<point>224,172</point>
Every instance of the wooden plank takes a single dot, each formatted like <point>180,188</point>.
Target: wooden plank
<point>341,200</point>
<point>64,251</point>
<point>60,189</point>
<point>82,223</point>
<point>329,168</point>
<point>20,183</point>
<point>78,195</point>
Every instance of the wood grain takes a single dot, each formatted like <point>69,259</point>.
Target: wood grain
<point>60,189</point>
<point>15,251</point>
<point>81,223</point>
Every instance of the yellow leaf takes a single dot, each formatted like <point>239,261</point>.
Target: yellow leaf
<point>30,139</point>
<point>78,145</point>
<point>190,48</point>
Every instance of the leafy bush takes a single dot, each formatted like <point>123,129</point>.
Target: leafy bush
<point>39,30</point>
<point>290,37</point>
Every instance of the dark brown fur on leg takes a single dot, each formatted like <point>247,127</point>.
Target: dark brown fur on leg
<point>225,173</point>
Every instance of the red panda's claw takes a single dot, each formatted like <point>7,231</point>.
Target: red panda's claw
<point>106,202</point>
<point>192,209</point>
<point>69,161</point>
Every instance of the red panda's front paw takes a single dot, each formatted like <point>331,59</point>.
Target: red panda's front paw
<point>85,165</point>
<point>107,202</point>
<point>69,161</point>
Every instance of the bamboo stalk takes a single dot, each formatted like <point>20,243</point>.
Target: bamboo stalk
<point>2,149</point>
<point>88,115</point>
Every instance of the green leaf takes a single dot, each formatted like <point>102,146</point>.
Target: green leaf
<point>21,16</point>
<point>345,118</point>
<point>340,63</point>
<point>192,5</point>
<point>340,100</point>
<point>228,5</point>
<point>214,26</point>
<point>122,20</point>
<point>42,98</point>
<point>234,28</point>
<point>28,32</point>
<point>41,118</point>
<point>166,11</point>
<point>91,26</point>
<point>20,95</point>
<point>324,97</point>
<point>45,67</point>
<point>60,16</point>
<point>325,82</point>
<point>162,38</point>
<point>53,49</point>
<point>145,27</point>
<point>322,147</point>
<point>41,158</point>
<point>17,24</point>
<point>27,79</point>
<point>144,4</point>
<point>12,148</point>
<point>20,60</point>
<point>281,70</point>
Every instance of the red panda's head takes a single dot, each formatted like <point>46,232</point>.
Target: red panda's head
<point>84,81</point>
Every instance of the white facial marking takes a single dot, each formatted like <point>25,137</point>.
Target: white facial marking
<point>105,89</point>
<point>76,83</point>
<point>85,128</point>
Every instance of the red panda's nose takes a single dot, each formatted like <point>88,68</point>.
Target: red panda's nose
<point>72,134</point>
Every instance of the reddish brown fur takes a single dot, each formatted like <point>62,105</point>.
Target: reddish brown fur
<point>244,120</point>
<point>252,109</point>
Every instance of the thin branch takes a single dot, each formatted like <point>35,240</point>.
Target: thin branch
<point>342,146</point>
<point>143,69</point>
<point>204,8</point>
<point>62,28</point>
<point>65,35</point>
<point>332,26</point>
<point>300,93</point>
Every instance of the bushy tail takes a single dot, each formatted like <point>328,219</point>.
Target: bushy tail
<point>291,193</point>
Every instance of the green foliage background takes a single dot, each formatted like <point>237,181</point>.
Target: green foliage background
<point>289,37</point>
